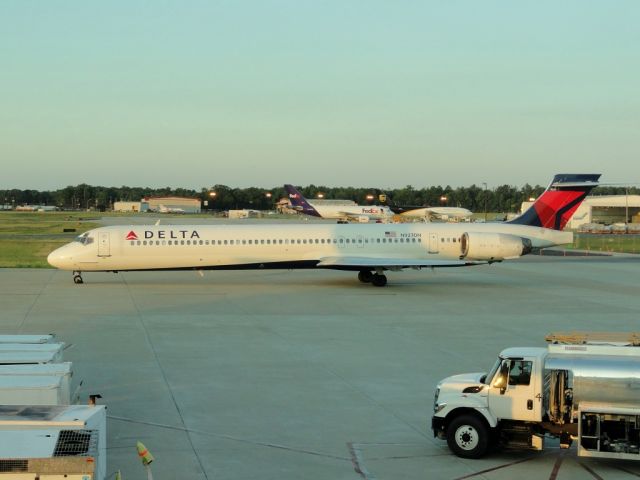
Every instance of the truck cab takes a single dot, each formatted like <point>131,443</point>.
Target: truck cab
<point>469,408</point>
<point>530,393</point>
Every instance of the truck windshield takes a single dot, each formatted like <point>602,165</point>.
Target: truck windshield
<point>489,376</point>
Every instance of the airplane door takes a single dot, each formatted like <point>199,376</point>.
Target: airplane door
<point>104,249</point>
<point>433,243</point>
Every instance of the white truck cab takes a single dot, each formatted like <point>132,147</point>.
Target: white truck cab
<point>533,393</point>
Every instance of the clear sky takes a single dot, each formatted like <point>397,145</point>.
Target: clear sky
<point>365,93</point>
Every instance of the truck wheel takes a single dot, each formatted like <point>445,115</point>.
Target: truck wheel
<point>468,437</point>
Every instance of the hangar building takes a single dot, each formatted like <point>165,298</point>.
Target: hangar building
<point>186,204</point>
<point>130,207</point>
<point>604,209</point>
<point>160,204</point>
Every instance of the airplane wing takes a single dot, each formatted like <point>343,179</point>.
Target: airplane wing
<point>389,263</point>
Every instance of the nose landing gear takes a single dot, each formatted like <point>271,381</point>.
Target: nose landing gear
<point>77,277</point>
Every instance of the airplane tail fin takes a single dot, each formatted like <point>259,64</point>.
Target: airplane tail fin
<point>559,201</point>
<point>298,202</point>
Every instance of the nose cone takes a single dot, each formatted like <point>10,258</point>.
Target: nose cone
<point>59,258</point>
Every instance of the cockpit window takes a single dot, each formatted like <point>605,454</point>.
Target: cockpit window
<point>84,239</point>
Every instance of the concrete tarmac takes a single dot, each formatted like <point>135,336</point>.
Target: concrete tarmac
<point>310,374</point>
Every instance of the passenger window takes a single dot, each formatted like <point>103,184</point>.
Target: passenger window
<point>188,242</point>
<point>442,240</point>
<point>261,242</point>
<point>520,372</point>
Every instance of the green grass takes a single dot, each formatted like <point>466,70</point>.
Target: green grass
<point>43,223</point>
<point>607,243</point>
<point>27,253</point>
<point>26,238</point>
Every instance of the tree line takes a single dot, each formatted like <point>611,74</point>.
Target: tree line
<point>504,198</point>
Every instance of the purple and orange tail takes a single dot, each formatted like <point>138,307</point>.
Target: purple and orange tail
<point>559,201</point>
<point>298,202</point>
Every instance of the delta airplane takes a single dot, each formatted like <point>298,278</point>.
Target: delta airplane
<point>359,213</point>
<point>369,249</point>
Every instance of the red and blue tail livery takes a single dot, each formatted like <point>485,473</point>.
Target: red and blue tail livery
<point>554,208</point>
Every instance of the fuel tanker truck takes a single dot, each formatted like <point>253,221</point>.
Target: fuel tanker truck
<point>582,387</point>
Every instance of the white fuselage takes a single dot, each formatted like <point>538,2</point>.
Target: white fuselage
<point>441,212</point>
<point>273,245</point>
<point>353,211</point>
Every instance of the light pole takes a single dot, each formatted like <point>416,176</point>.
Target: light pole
<point>485,201</point>
<point>212,197</point>
<point>626,205</point>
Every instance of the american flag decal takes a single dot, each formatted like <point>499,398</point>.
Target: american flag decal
<point>390,234</point>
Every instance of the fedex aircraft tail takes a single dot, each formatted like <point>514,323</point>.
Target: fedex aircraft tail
<point>559,201</point>
<point>300,203</point>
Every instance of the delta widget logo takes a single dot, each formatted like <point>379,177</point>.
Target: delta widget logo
<point>132,235</point>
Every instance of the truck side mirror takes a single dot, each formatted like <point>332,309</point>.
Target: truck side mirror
<point>501,379</point>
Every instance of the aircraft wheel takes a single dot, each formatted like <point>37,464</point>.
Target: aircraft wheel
<point>379,280</point>
<point>77,279</point>
<point>365,276</point>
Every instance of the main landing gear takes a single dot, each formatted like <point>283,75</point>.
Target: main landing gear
<point>77,277</point>
<point>376,279</point>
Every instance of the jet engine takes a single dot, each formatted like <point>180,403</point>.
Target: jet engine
<point>492,246</point>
